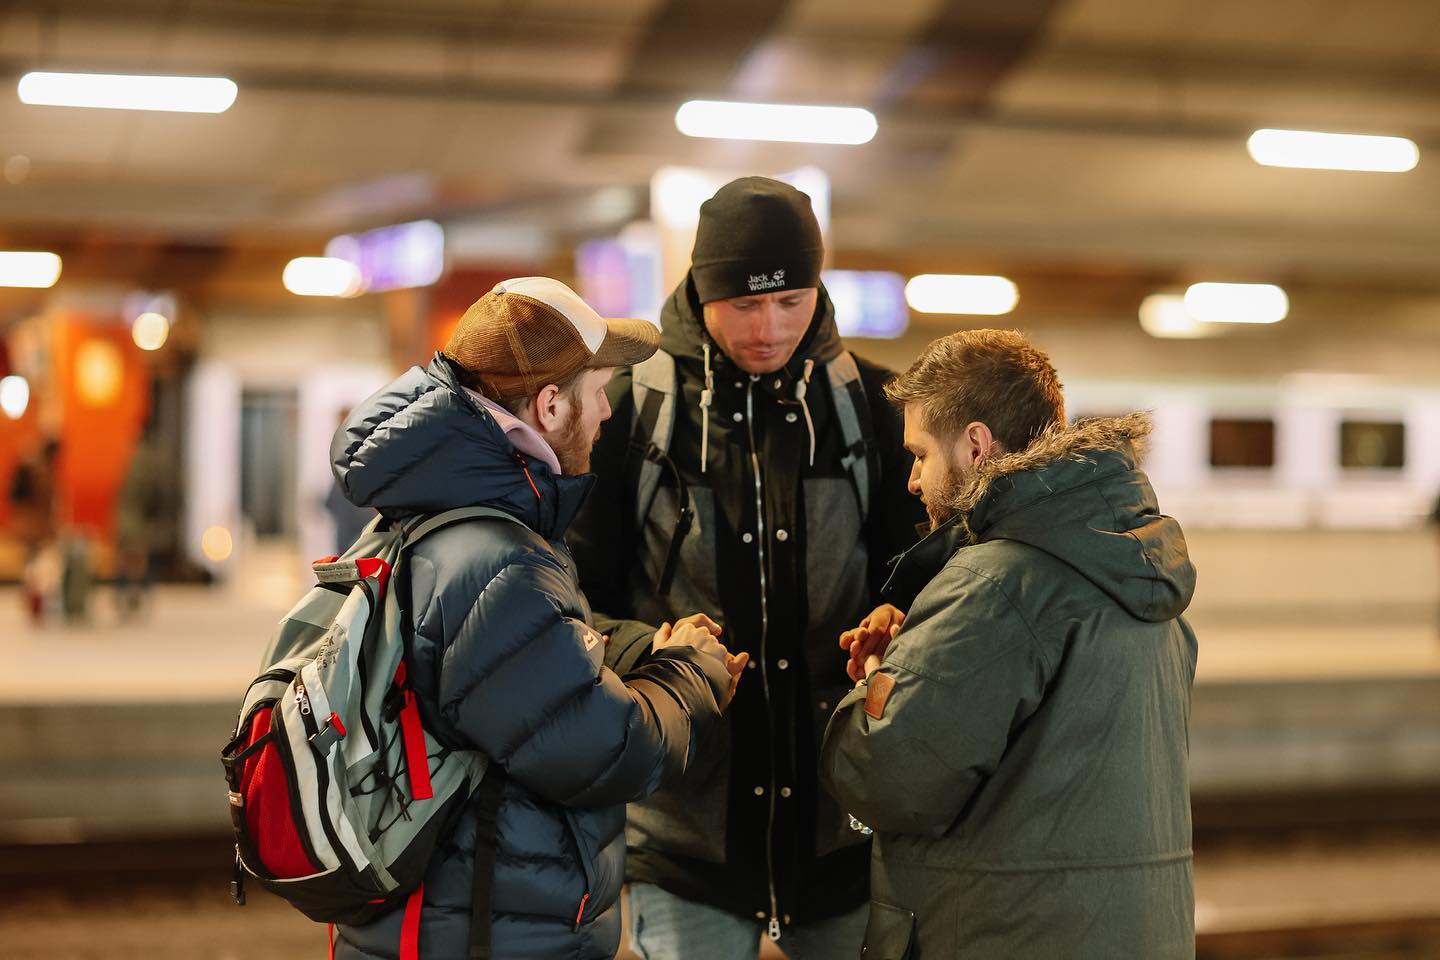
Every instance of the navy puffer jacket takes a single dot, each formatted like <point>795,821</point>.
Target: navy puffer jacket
<point>505,661</point>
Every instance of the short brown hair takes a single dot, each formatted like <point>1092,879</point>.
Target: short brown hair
<point>993,376</point>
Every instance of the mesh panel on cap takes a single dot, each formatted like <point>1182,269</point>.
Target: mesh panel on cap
<point>517,344</point>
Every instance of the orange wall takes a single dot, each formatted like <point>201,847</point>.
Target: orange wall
<point>96,440</point>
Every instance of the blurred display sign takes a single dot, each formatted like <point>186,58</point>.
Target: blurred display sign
<point>392,258</point>
<point>868,303</point>
<point>620,276</point>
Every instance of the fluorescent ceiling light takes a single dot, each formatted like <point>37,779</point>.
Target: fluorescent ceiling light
<point>1237,302</point>
<point>961,293</point>
<point>14,396</point>
<point>789,123</point>
<point>113,91</point>
<point>1164,315</point>
<point>1312,150</point>
<point>322,277</point>
<point>23,268</point>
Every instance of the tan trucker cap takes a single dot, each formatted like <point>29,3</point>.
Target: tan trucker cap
<point>530,331</point>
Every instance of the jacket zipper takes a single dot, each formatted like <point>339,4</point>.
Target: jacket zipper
<point>773,928</point>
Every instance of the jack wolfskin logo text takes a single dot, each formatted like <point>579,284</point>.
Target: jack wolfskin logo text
<point>766,281</point>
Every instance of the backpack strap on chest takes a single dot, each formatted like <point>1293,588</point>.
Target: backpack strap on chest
<point>653,388</point>
<point>857,428</point>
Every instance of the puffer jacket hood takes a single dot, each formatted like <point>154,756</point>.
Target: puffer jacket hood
<point>423,445</point>
<point>1077,494</point>
<point>683,334</point>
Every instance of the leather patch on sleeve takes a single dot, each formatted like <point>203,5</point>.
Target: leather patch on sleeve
<point>878,694</point>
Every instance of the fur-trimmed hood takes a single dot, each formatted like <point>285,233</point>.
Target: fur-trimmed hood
<point>1078,494</point>
<point>1080,442</point>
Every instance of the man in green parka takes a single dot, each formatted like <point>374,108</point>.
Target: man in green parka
<point>1019,741</point>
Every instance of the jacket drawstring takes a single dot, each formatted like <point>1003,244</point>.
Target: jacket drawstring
<point>801,387</point>
<point>706,396</point>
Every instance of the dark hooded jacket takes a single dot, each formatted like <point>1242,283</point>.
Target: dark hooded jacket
<point>785,563</point>
<point>1021,753</point>
<point>504,660</point>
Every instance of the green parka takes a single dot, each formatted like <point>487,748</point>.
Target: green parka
<point>1021,753</point>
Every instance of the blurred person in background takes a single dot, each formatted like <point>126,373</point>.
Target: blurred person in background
<point>501,649</point>
<point>1021,749</point>
<point>141,529</point>
<point>731,485</point>
<point>33,492</point>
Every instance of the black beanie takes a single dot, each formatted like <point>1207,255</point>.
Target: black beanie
<point>756,235</point>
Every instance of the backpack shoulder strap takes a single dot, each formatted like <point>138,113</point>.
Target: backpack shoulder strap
<point>429,525</point>
<point>856,427</point>
<point>653,389</point>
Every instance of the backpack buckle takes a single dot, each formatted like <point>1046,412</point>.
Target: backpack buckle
<point>328,737</point>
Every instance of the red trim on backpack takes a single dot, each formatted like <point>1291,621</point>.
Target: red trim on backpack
<point>417,759</point>
<point>339,727</point>
<point>331,559</point>
<point>268,816</point>
<point>374,567</point>
<point>330,935</point>
<point>410,927</point>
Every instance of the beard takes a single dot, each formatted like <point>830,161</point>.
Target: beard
<point>941,506</point>
<point>572,447</point>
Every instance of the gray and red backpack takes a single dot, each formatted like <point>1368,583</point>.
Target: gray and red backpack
<point>339,795</point>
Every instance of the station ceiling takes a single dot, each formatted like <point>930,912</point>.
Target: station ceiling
<point>1108,133</point>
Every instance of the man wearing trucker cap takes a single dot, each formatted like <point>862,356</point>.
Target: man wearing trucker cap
<point>501,647</point>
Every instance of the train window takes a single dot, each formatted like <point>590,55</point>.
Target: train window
<point>1242,442</point>
<point>1372,445</point>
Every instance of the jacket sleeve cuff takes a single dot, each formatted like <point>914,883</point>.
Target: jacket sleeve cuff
<point>629,645</point>
<point>710,668</point>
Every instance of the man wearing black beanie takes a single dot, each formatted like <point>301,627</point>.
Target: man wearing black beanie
<point>751,470</point>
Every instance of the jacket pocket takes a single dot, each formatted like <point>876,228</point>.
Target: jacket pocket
<point>889,933</point>
<point>585,853</point>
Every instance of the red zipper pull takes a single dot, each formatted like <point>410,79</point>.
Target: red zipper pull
<point>525,465</point>
<point>581,912</point>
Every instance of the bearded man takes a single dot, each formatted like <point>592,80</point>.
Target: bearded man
<point>1018,741</point>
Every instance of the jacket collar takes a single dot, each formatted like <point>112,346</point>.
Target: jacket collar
<point>683,334</point>
<point>991,492</point>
